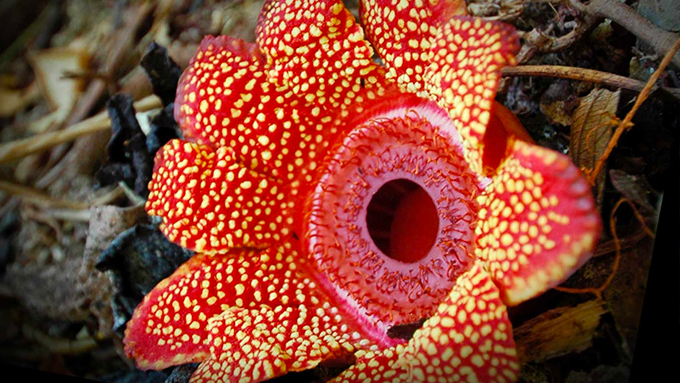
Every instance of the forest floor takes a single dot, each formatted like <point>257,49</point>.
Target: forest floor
<point>64,202</point>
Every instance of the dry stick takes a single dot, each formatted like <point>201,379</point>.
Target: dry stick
<point>581,74</point>
<point>598,290</point>
<point>660,39</point>
<point>43,199</point>
<point>58,345</point>
<point>608,247</point>
<point>15,150</point>
<point>539,41</point>
<point>38,197</point>
<point>122,45</point>
<point>618,247</point>
<point>626,123</point>
<point>84,214</point>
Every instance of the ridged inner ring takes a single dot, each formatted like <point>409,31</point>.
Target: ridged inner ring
<point>337,235</point>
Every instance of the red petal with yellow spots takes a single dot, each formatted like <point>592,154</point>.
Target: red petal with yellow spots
<point>468,54</point>
<point>251,345</point>
<point>168,327</point>
<point>211,203</point>
<point>177,322</point>
<point>403,31</point>
<point>469,339</point>
<point>225,99</point>
<point>317,49</point>
<point>537,222</point>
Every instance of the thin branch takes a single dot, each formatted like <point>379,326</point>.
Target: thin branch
<point>661,40</point>
<point>38,197</point>
<point>626,123</point>
<point>540,41</point>
<point>43,199</point>
<point>17,149</point>
<point>609,247</point>
<point>615,267</point>
<point>69,214</point>
<point>59,345</point>
<point>581,74</point>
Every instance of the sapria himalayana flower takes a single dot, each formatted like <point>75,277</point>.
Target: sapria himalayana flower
<point>330,198</point>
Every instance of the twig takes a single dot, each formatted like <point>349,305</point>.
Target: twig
<point>108,197</point>
<point>662,41</point>
<point>626,123</point>
<point>26,36</point>
<point>58,345</point>
<point>539,41</point>
<point>40,198</point>
<point>69,214</point>
<point>581,74</point>
<point>118,49</point>
<point>615,267</point>
<point>608,247</point>
<point>14,150</point>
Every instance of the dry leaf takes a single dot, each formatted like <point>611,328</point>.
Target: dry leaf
<point>556,113</point>
<point>52,68</point>
<point>591,131</point>
<point>558,332</point>
<point>557,103</point>
<point>636,189</point>
<point>15,100</point>
<point>106,222</point>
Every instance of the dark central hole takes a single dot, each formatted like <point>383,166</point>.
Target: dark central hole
<point>402,220</point>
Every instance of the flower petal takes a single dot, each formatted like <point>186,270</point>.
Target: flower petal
<point>317,49</point>
<point>403,34</point>
<point>468,339</point>
<point>537,221</point>
<point>259,344</point>
<point>168,327</point>
<point>172,324</point>
<point>225,99</point>
<point>210,203</point>
<point>467,57</point>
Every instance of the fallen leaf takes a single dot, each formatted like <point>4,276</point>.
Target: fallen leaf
<point>635,189</point>
<point>106,223</point>
<point>163,129</point>
<point>556,102</point>
<point>626,294</point>
<point>601,374</point>
<point>138,259</point>
<point>558,332</point>
<point>53,70</point>
<point>591,131</point>
<point>50,290</point>
<point>128,157</point>
<point>15,100</point>
<point>163,72</point>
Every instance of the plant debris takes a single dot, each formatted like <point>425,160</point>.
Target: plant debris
<point>130,149</point>
<point>163,72</point>
<point>78,252</point>
<point>559,331</point>
<point>591,131</point>
<point>129,160</point>
<point>138,258</point>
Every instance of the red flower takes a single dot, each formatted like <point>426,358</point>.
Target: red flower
<point>330,199</point>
